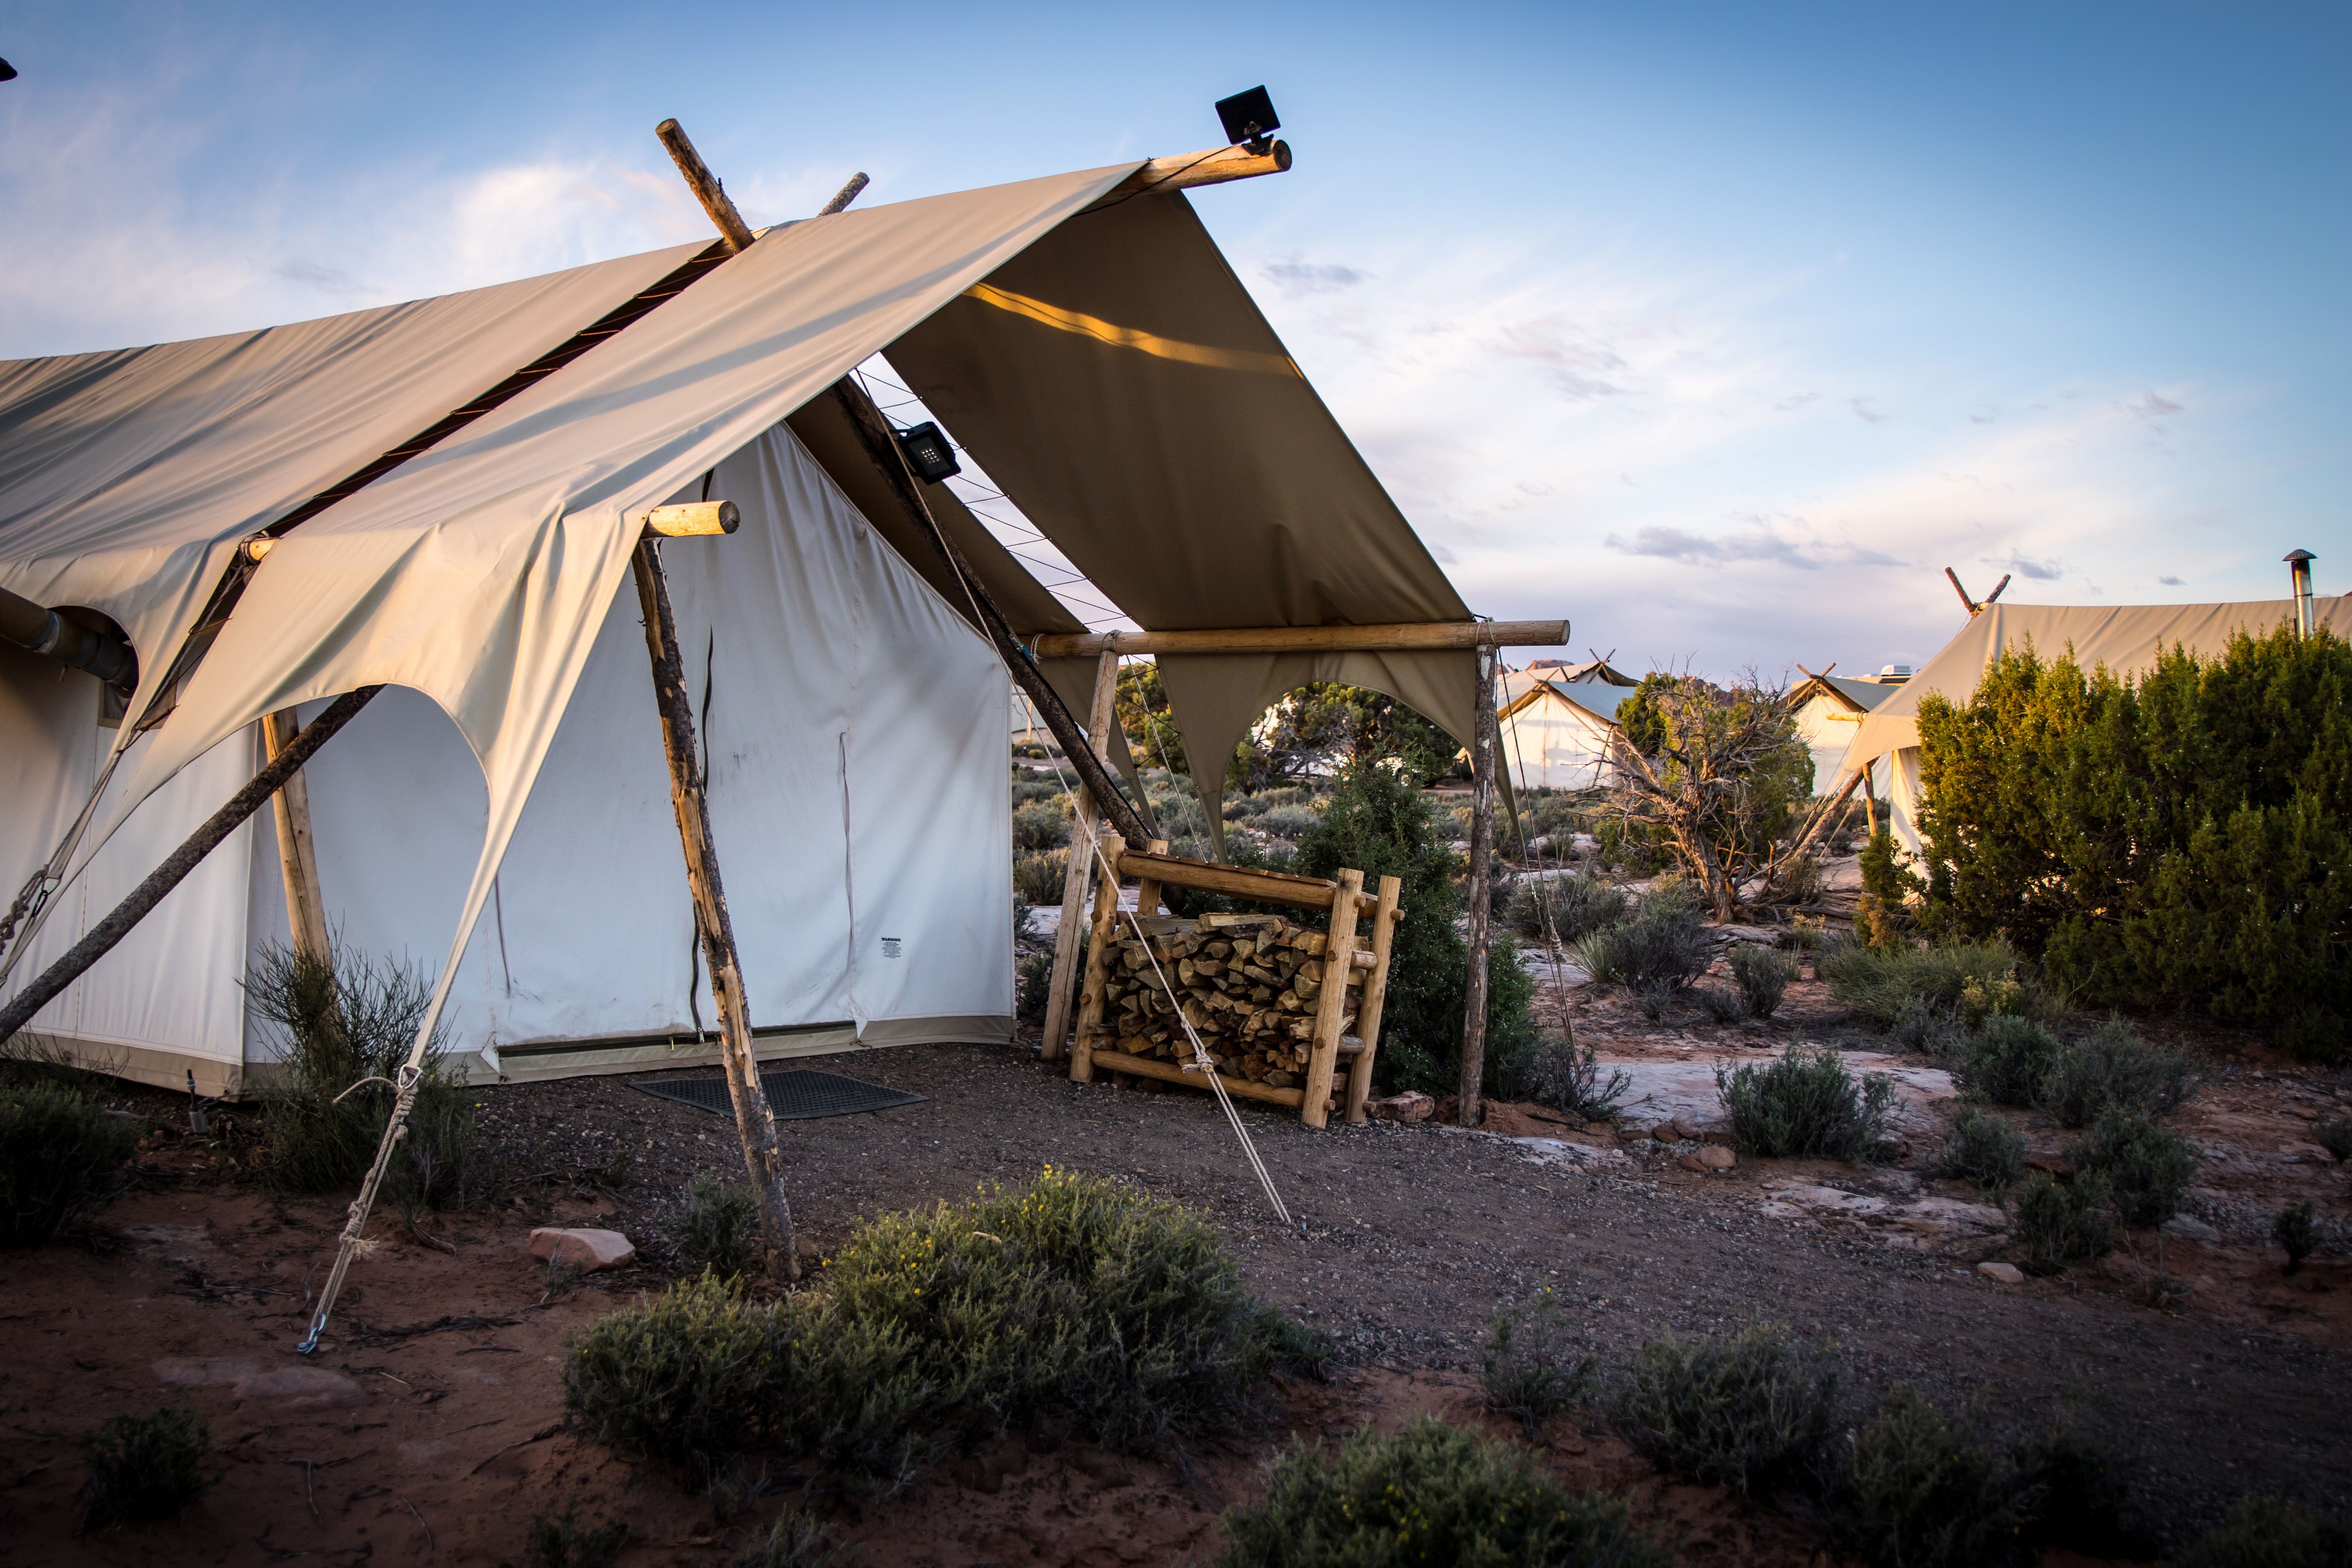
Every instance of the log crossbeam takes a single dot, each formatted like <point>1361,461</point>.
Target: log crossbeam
<point>1397,638</point>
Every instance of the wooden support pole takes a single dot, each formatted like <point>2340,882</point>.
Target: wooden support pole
<point>1483,748</point>
<point>844,196</point>
<point>1080,874</point>
<point>1147,887</point>
<point>1097,985</point>
<point>1376,993</point>
<point>693,519</point>
<point>1828,813</point>
<point>706,186</point>
<point>20,1008</point>
<point>298,856</point>
<point>1399,637</point>
<point>1331,1003</point>
<point>755,1125</point>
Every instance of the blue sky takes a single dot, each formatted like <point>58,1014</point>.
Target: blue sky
<point>1720,330</point>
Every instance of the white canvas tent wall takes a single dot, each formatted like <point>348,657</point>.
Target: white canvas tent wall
<point>2124,637</point>
<point>1103,361</point>
<point>1559,736</point>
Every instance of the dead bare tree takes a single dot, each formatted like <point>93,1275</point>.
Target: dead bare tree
<point>1718,772</point>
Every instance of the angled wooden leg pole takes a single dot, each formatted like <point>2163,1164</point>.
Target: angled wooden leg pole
<point>298,855</point>
<point>754,1123</point>
<point>1080,875</point>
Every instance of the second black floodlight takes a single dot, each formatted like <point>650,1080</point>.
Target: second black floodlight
<point>928,453</point>
<point>1249,119</point>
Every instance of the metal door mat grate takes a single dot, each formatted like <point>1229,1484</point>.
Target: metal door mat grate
<point>794,1095</point>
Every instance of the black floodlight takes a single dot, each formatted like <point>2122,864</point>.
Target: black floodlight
<point>1249,119</point>
<point>928,453</point>
<point>7,71</point>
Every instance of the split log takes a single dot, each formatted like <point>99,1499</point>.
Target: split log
<point>694,518</point>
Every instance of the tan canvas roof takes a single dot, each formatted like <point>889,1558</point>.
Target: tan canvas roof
<point>2121,636</point>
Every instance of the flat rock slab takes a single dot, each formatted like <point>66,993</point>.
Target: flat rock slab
<point>296,1387</point>
<point>1924,1223</point>
<point>586,1250</point>
<point>1578,1156</point>
<point>1410,1106</point>
<point>1667,1093</point>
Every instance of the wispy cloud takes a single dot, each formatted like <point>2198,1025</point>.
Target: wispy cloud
<point>1311,277</point>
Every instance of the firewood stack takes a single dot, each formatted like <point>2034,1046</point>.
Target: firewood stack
<point>1249,984</point>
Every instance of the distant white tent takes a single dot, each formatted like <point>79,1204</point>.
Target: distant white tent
<point>1827,708</point>
<point>2126,638</point>
<point>1558,734</point>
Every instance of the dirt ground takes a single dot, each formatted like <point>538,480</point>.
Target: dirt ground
<point>426,1428</point>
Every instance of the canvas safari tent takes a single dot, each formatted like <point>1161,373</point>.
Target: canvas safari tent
<point>2124,637</point>
<point>1558,734</point>
<point>1827,707</point>
<point>271,519</point>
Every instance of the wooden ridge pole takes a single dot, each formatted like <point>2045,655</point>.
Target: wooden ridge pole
<point>1393,637</point>
<point>20,1008</point>
<point>755,1124</point>
<point>1482,862</point>
<point>1079,873</point>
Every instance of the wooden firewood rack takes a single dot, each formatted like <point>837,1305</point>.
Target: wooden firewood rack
<point>1345,899</point>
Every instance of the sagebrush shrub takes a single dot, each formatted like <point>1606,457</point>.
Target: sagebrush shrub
<point>1040,825</point>
<point>1032,986</point>
<point>1763,977</point>
<point>1722,1004</point>
<point>62,1159</point>
<point>2146,1165</point>
<point>2265,1532</point>
<point>1666,947</point>
<point>2297,1233</point>
<point>1076,1298</point>
<point>799,1539</point>
<point>1982,1148</point>
<point>721,1229</point>
<point>2112,1066</point>
<point>2059,1223</point>
<point>2335,1136</point>
<point>2007,1060</point>
<point>1568,906</point>
<point>1568,1077</point>
<point>563,1540</point>
<point>1434,1494</point>
<point>2079,1493</point>
<point>1925,1489</point>
<point>1749,1412</point>
<point>1882,983</point>
<point>1534,1363</point>
<point>145,1467</point>
<point>1037,877</point>
<point>1805,1104</point>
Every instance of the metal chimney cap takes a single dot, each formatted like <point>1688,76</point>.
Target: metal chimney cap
<point>2298,555</point>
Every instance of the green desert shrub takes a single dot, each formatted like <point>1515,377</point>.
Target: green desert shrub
<point>563,1540</point>
<point>145,1467</point>
<point>1921,1489</point>
<point>2265,1532</point>
<point>1434,1494</point>
<point>1376,822</point>
<point>1568,1077</point>
<point>1982,1148</point>
<point>1883,982</point>
<point>2297,1232</point>
<point>2079,1495</point>
<point>343,1029</point>
<point>1667,947</point>
<point>2176,837</point>
<point>1074,1299</point>
<point>2335,1136</point>
<point>799,1539</point>
<point>721,1229</point>
<point>2112,1066</point>
<point>62,1159</point>
<point>1040,825</point>
<point>1032,986</point>
<point>1805,1104</point>
<point>1037,877</point>
<point>2062,1223</point>
<point>1763,977</point>
<point>1748,1412</point>
<point>1567,906</point>
<point>1535,1364</point>
<point>1929,1030</point>
<point>2146,1165</point>
<point>2007,1060</point>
